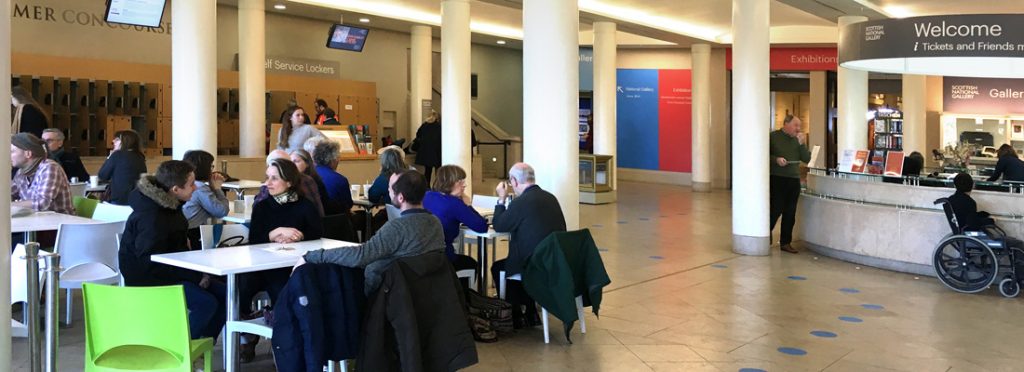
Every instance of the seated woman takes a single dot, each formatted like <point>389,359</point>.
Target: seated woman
<point>1009,166</point>
<point>304,162</point>
<point>964,207</point>
<point>208,201</point>
<point>123,167</point>
<point>284,217</point>
<point>448,201</point>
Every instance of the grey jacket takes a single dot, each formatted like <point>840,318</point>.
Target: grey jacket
<point>415,233</point>
<point>206,203</point>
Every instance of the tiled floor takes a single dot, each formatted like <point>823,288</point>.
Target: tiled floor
<point>680,300</point>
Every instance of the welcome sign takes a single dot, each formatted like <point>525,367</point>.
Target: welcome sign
<point>983,96</point>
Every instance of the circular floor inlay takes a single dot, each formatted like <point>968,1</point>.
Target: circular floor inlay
<point>621,222</point>
<point>792,351</point>
<point>796,277</point>
<point>602,249</point>
<point>644,219</point>
<point>597,225</point>
<point>825,334</point>
<point>873,307</point>
<point>851,319</point>
<point>849,290</point>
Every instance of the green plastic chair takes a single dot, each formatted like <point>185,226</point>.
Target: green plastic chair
<point>140,329</point>
<point>84,207</point>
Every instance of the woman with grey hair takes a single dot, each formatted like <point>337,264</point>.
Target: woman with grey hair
<point>391,161</point>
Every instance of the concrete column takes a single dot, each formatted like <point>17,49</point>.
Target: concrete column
<point>5,183</point>
<point>605,135</point>
<point>252,78</point>
<point>750,122</point>
<point>420,70</point>
<point>551,99</point>
<point>818,123</point>
<point>456,112</point>
<point>853,102</point>
<point>194,76</point>
<point>915,91</point>
<point>701,118</point>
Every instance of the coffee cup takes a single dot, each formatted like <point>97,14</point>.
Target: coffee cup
<point>240,206</point>
<point>94,181</point>
<point>249,201</point>
<point>355,191</point>
<point>366,189</point>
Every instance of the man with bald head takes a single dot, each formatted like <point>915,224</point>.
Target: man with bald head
<point>531,217</point>
<point>308,188</point>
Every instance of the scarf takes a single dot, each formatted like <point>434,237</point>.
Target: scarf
<point>286,197</point>
<point>30,169</point>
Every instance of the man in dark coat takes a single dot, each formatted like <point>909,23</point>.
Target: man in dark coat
<point>158,226</point>
<point>68,160</point>
<point>427,145</point>
<point>531,217</point>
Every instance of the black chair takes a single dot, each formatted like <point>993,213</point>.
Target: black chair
<point>339,227</point>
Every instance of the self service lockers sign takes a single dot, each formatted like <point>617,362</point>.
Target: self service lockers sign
<point>654,119</point>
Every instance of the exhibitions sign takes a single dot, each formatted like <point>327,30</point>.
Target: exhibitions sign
<point>983,96</point>
<point>949,45</point>
<point>797,59</point>
<point>654,119</point>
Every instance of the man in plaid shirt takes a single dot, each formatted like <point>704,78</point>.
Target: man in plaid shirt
<point>39,180</point>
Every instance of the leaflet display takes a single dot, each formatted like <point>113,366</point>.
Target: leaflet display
<point>146,13</point>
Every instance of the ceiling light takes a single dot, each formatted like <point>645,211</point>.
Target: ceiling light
<point>652,20</point>
<point>364,20</point>
<point>896,11</point>
<point>501,42</point>
<point>280,7</point>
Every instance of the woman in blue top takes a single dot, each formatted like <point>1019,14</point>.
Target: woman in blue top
<point>448,201</point>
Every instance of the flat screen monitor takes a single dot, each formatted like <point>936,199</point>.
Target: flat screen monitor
<point>146,13</point>
<point>347,38</point>
<point>977,138</point>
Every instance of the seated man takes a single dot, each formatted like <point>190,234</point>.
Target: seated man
<point>325,155</point>
<point>158,226</point>
<point>308,188</point>
<point>531,217</point>
<point>69,161</point>
<point>964,207</point>
<point>415,233</point>
<point>39,180</point>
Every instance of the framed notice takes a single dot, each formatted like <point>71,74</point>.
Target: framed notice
<point>860,161</point>
<point>846,162</point>
<point>344,138</point>
<point>894,164</point>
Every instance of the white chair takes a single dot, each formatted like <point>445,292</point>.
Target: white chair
<point>107,212</point>
<point>543,311</point>
<point>19,288</point>
<point>227,231</point>
<point>89,255</point>
<point>77,189</point>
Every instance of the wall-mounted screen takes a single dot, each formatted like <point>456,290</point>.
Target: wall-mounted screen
<point>347,38</point>
<point>147,13</point>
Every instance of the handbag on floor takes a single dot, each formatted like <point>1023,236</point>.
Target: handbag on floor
<point>495,310</point>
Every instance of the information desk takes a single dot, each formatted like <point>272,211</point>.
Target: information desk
<point>895,226</point>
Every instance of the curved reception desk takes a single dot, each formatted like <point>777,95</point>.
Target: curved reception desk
<point>858,218</point>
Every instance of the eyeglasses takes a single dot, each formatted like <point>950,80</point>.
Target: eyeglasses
<point>51,140</point>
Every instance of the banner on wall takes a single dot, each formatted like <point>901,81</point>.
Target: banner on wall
<point>963,95</point>
<point>797,59</point>
<point>654,108</point>
<point>586,69</point>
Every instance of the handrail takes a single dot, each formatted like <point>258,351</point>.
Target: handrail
<point>485,123</point>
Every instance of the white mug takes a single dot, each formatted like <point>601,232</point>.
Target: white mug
<point>94,181</point>
<point>355,191</point>
<point>249,200</point>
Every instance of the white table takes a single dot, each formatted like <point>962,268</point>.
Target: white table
<point>241,186</point>
<point>481,243</point>
<point>240,260</point>
<point>238,217</point>
<point>97,188</point>
<point>44,221</point>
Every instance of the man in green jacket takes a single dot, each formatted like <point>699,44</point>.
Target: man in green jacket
<point>787,149</point>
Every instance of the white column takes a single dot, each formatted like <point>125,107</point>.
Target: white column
<point>750,121</point>
<point>420,70</point>
<point>915,97</point>
<point>252,78</point>
<point>5,183</point>
<point>817,124</point>
<point>551,99</point>
<point>194,76</point>
<point>605,135</point>
<point>456,115</point>
<point>853,102</point>
<point>701,118</point>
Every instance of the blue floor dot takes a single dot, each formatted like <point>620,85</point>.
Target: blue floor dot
<point>792,351</point>
<point>849,290</point>
<point>623,222</point>
<point>796,277</point>
<point>644,219</point>
<point>873,307</point>
<point>751,370</point>
<point>719,266</point>
<point>656,257</point>
<point>825,334</point>
<point>851,319</point>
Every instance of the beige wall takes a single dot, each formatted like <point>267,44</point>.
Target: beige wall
<point>654,58</point>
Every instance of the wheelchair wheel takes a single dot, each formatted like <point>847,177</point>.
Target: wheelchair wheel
<point>1009,288</point>
<point>965,264</point>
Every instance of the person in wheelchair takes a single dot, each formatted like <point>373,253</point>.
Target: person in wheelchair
<point>964,207</point>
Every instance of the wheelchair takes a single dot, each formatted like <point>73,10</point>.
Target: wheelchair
<point>971,261</point>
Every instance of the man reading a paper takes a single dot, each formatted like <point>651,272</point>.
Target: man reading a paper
<point>787,149</point>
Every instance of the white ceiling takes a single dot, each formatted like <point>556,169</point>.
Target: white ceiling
<point>938,7</point>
